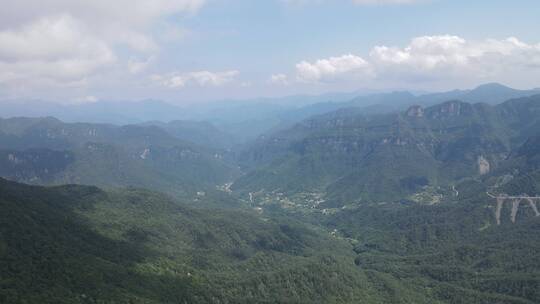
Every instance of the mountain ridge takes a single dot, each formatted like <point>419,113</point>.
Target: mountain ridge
<point>455,136</point>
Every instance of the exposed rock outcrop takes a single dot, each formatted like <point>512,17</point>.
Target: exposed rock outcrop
<point>415,111</point>
<point>483,165</point>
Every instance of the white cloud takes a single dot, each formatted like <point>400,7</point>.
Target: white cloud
<point>452,56</point>
<point>64,42</point>
<point>119,21</point>
<point>200,78</point>
<point>57,49</point>
<point>279,79</point>
<point>97,12</point>
<point>332,69</point>
<point>430,58</point>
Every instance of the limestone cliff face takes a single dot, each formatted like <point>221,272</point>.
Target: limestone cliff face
<point>415,111</point>
<point>350,154</point>
<point>483,165</point>
<point>450,109</point>
<point>33,165</point>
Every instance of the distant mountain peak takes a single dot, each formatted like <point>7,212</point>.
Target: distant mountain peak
<point>494,93</point>
<point>492,86</point>
<point>401,93</point>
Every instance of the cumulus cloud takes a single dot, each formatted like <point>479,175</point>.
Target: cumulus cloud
<point>200,78</point>
<point>119,21</point>
<point>453,56</point>
<point>53,48</point>
<point>279,79</point>
<point>332,68</point>
<point>98,12</point>
<point>64,42</point>
<point>429,58</point>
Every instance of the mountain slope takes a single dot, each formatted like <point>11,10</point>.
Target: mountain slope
<point>519,174</point>
<point>107,155</point>
<point>199,132</point>
<point>456,248</point>
<point>490,93</point>
<point>351,156</point>
<point>75,244</point>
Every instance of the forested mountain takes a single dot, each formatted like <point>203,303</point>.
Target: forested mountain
<point>201,133</point>
<point>463,245</point>
<point>78,244</point>
<point>348,155</point>
<point>269,152</point>
<point>48,151</point>
<point>455,247</point>
<point>490,93</point>
<point>520,173</point>
<point>245,120</point>
<point>356,205</point>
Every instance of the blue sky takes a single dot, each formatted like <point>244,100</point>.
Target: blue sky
<point>196,50</point>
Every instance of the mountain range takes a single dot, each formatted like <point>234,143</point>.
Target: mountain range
<point>247,119</point>
<point>49,151</point>
<point>348,155</point>
<point>381,198</point>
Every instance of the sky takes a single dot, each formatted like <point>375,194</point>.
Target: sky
<point>185,51</point>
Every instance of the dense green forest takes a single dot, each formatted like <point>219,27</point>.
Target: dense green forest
<point>348,155</point>
<point>78,244</point>
<point>343,207</point>
<point>269,152</point>
<point>48,151</point>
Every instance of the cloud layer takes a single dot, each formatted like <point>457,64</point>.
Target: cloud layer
<point>429,58</point>
<point>200,78</point>
<point>279,79</point>
<point>332,68</point>
<point>64,42</point>
<point>53,49</point>
<point>104,48</point>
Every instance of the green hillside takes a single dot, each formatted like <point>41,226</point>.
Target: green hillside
<point>350,156</point>
<point>456,249</point>
<point>342,208</point>
<point>78,244</point>
<point>48,151</point>
<point>201,133</point>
